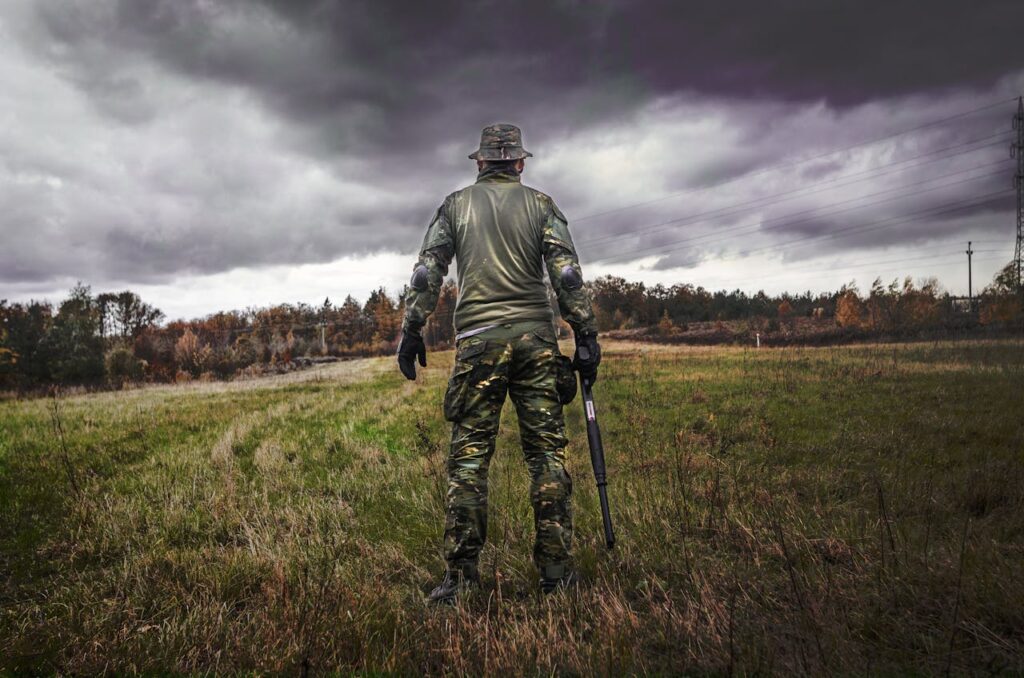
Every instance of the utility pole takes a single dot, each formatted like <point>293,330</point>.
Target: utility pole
<point>970,289</point>
<point>1017,151</point>
<point>323,325</point>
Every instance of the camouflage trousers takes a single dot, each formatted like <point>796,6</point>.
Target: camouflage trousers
<point>518,359</point>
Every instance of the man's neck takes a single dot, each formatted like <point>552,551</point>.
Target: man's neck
<point>497,174</point>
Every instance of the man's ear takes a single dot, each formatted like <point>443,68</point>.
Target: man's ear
<point>479,165</point>
<point>520,165</point>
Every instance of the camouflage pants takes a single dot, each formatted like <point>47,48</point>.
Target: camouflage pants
<point>518,359</point>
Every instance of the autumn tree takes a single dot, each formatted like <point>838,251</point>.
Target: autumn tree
<point>1000,300</point>
<point>382,313</point>
<point>849,308</point>
<point>190,354</point>
<point>348,326</point>
<point>222,328</point>
<point>919,306</point>
<point>440,327</point>
<point>665,326</point>
<point>620,300</point>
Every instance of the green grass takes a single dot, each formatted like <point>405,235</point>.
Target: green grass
<point>839,510</point>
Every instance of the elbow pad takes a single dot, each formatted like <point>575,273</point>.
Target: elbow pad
<point>420,278</point>
<point>571,277</point>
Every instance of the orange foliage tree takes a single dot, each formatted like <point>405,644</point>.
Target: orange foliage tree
<point>849,308</point>
<point>190,354</point>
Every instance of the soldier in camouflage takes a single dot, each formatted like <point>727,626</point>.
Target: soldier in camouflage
<point>505,236</point>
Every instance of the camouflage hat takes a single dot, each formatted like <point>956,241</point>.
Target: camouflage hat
<point>501,142</point>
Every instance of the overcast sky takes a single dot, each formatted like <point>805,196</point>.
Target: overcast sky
<point>216,154</point>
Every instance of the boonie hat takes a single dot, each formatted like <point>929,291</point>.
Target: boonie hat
<point>501,142</point>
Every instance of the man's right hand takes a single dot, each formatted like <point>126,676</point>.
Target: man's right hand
<point>588,357</point>
<point>410,348</point>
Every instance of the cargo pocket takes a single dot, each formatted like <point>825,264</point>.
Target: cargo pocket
<point>547,336</point>
<point>565,379</point>
<point>466,359</point>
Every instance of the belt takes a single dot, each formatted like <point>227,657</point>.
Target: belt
<point>473,333</point>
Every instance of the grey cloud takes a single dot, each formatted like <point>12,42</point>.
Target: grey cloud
<point>935,167</point>
<point>230,133</point>
<point>367,76</point>
<point>318,56</point>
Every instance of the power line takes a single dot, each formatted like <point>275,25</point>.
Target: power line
<point>951,207</point>
<point>951,256</point>
<point>797,163</point>
<point>759,226</point>
<point>914,216</point>
<point>784,221</point>
<point>870,174</point>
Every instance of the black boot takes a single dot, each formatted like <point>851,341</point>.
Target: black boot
<point>456,581</point>
<point>556,578</point>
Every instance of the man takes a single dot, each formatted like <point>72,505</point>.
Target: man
<point>505,236</point>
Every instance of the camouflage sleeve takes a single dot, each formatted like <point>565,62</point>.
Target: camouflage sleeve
<point>429,271</point>
<point>566,276</point>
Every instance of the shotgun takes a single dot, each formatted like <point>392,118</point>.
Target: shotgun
<point>596,454</point>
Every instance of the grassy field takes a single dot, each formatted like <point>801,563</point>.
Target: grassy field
<point>839,510</point>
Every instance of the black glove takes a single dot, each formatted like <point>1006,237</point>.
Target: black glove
<point>409,348</point>
<point>588,357</point>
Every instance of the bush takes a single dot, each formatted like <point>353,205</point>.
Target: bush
<point>8,365</point>
<point>190,354</point>
<point>221,361</point>
<point>1000,310</point>
<point>122,366</point>
<point>247,351</point>
<point>156,349</point>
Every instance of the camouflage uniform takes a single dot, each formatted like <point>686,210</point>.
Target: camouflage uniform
<point>506,237</point>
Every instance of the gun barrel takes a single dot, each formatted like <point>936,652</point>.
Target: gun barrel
<point>597,459</point>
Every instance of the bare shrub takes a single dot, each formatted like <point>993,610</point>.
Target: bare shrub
<point>190,354</point>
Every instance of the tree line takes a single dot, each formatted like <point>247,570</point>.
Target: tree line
<point>886,307</point>
<point>117,338</point>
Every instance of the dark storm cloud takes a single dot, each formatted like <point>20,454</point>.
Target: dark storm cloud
<point>845,52</point>
<point>400,77</point>
<point>356,77</point>
<point>241,133</point>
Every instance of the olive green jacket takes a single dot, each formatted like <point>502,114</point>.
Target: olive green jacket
<point>503,235</point>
